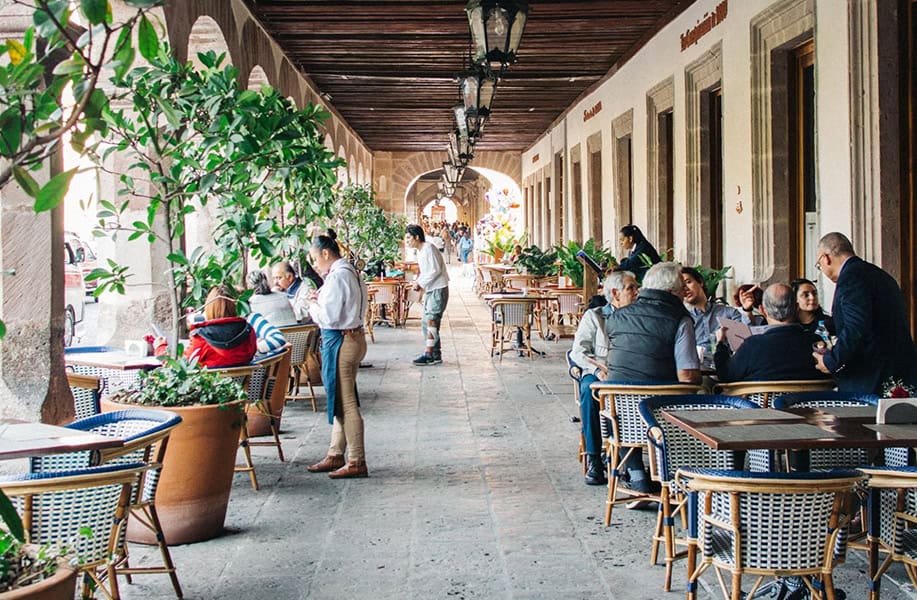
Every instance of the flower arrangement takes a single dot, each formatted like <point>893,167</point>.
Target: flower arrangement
<point>896,388</point>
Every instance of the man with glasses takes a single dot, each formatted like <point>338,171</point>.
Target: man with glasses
<point>874,343</point>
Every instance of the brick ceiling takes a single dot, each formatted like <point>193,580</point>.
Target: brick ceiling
<point>390,66</point>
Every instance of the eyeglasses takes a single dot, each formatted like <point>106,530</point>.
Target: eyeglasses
<point>818,261</point>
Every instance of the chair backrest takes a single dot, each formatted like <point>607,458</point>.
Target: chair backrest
<point>55,507</point>
<point>834,457</point>
<point>513,313</point>
<point>86,391</point>
<point>897,487</point>
<point>386,293</point>
<point>620,402</point>
<point>672,447</point>
<point>764,392</point>
<point>573,369</point>
<point>112,380</point>
<point>298,338</point>
<point>568,304</point>
<point>265,375</point>
<point>770,510</point>
<point>487,275</point>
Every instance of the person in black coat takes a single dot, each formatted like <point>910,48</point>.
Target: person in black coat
<point>782,353</point>
<point>873,339</point>
<point>636,245</point>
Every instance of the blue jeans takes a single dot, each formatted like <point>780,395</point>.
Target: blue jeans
<point>589,414</point>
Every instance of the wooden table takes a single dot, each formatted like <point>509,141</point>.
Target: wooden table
<point>22,440</point>
<point>113,366</point>
<point>792,428</point>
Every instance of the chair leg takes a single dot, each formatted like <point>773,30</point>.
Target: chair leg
<point>164,550</point>
<point>613,465</point>
<point>736,586</point>
<point>247,451</point>
<point>669,531</point>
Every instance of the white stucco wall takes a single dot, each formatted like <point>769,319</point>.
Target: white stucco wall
<point>662,58</point>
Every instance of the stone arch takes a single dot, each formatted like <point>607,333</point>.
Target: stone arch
<point>257,78</point>
<point>206,36</point>
<point>360,176</point>
<point>343,178</point>
<point>352,170</point>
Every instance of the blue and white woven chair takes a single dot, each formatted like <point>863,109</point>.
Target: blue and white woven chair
<point>243,375</point>
<point>269,378</point>
<point>506,317</point>
<point>304,343</point>
<point>834,457</point>
<point>892,522</point>
<point>672,448</point>
<point>146,435</point>
<point>764,393</point>
<point>113,380</point>
<point>56,507</point>
<point>86,391</point>
<point>619,405</point>
<point>766,525</point>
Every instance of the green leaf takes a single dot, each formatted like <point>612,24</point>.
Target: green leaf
<point>11,518</point>
<point>147,40</point>
<point>95,10</point>
<point>169,113</point>
<point>10,132</point>
<point>52,193</point>
<point>26,181</point>
<point>177,258</point>
<point>124,54</point>
<point>2,330</point>
<point>70,67</point>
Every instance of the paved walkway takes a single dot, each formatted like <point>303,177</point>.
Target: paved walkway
<point>474,492</point>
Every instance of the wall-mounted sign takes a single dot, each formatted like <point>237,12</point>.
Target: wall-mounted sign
<point>535,158</point>
<point>591,112</point>
<point>703,26</point>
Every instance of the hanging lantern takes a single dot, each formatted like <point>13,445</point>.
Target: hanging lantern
<point>461,150</point>
<point>461,121</point>
<point>496,30</point>
<point>478,87</point>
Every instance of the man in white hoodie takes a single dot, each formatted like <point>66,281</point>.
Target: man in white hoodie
<point>434,281</point>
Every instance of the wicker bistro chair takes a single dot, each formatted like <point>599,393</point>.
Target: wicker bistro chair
<point>766,525</point>
<point>506,317</point>
<point>145,434</point>
<point>672,448</point>
<point>86,390</point>
<point>410,297</point>
<point>262,385</point>
<point>764,392</point>
<point>619,405</point>
<point>386,303</point>
<point>891,507</point>
<point>56,506</point>
<point>834,457</point>
<point>304,343</point>
<point>243,375</point>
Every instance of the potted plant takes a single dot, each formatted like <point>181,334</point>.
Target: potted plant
<point>536,262</point>
<point>197,471</point>
<point>572,267</point>
<point>29,571</point>
<point>712,279</point>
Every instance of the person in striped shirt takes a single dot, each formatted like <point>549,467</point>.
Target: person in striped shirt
<point>270,339</point>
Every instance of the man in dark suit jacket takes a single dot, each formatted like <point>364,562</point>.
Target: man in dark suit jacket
<point>635,245</point>
<point>873,339</point>
<point>782,353</point>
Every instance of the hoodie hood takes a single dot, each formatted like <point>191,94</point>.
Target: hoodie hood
<point>225,333</point>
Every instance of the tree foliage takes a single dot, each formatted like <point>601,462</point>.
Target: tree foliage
<point>367,231</point>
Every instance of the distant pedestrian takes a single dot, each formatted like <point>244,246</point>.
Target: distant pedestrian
<point>434,281</point>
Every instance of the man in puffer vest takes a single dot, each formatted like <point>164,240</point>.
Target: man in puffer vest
<point>652,341</point>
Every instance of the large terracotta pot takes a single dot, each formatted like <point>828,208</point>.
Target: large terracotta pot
<point>258,424</point>
<point>59,586</point>
<point>197,473</point>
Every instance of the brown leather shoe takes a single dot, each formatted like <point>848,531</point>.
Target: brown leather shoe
<point>329,463</point>
<point>350,470</point>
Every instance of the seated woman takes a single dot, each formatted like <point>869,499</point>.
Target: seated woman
<point>275,307</point>
<point>270,339</point>
<point>223,339</point>
<point>517,253</point>
<point>808,311</point>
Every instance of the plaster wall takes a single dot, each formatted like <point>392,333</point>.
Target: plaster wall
<point>661,58</point>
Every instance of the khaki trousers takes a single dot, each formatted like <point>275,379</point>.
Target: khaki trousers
<point>347,432</point>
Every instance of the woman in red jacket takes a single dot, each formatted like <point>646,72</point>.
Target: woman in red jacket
<point>223,339</point>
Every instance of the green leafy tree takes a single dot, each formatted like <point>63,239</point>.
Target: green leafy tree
<point>369,233</point>
<point>571,266</point>
<point>195,137</point>
<point>54,55</point>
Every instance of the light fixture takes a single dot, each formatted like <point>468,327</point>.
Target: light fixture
<point>478,87</point>
<point>460,121</point>
<point>496,29</point>
<point>460,148</point>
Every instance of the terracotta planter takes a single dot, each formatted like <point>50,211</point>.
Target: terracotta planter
<point>60,586</point>
<point>259,424</point>
<point>197,473</point>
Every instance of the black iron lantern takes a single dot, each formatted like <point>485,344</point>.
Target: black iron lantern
<point>460,148</point>
<point>496,29</point>
<point>478,87</point>
<point>460,120</point>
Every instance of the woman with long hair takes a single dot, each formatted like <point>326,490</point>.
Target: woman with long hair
<point>223,339</point>
<point>808,311</point>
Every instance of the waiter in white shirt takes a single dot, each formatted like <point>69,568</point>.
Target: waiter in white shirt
<point>338,309</point>
<point>434,281</point>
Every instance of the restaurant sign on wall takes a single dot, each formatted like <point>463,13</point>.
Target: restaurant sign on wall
<point>705,25</point>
